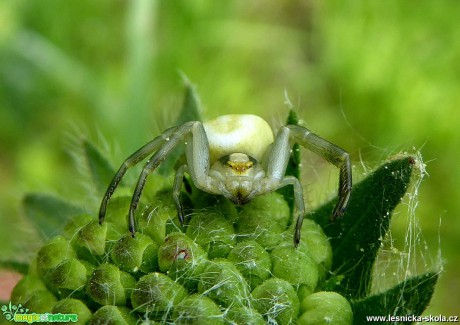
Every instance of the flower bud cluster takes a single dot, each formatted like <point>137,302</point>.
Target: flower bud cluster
<point>228,265</point>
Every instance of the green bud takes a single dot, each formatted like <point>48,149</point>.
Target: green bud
<point>214,204</point>
<point>294,266</point>
<point>89,267</point>
<point>92,237</point>
<point>150,259</point>
<point>277,300</point>
<point>73,306</point>
<point>182,258</point>
<point>113,315</point>
<point>264,219</point>
<point>116,218</point>
<point>53,253</point>
<point>25,288</point>
<point>222,282</point>
<point>73,226</point>
<point>41,301</point>
<point>244,316</point>
<point>213,232</point>
<point>325,308</point>
<point>117,210</point>
<point>159,219</point>
<point>158,186</point>
<point>67,277</point>
<point>252,261</point>
<point>316,244</point>
<point>128,253</point>
<point>197,310</point>
<point>155,294</point>
<point>226,208</point>
<point>110,286</point>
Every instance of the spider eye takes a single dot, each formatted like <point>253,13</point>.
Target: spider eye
<point>240,166</point>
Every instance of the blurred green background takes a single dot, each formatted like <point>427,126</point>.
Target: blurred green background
<point>375,77</point>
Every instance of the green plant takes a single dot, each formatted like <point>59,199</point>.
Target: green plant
<point>230,265</point>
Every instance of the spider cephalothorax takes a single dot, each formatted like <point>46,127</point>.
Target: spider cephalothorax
<point>238,157</point>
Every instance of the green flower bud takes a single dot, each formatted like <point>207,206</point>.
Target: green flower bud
<point>214,204</point>
<point>73,306</point>
<point>113,315</point>
<point>41,301</point>
<point>182,258</point>
<point>244,316</point>
<point>197,310</point>
<point>117,210</point>
<point>110,286</point>
<point>25,288</point>
<point>158,186</point>
<point>252,261</point>
<point>73,226</point>
<point>156,294</point>
<point>213,232</point>
<point>277,300</point>
<point>67,277</point>
<point>150,259</point>
<point>325,308</point>
<point>226,208</point>
<point>295,266</point>
<point>222,282</point>
<point>159,219</point>
<point>116,217</point>
<point>316,244</point>
<point>89,267</point>
<point>53,253</point>
<point>128,253</point>
<point>92,237</point>
<point>264,219</point>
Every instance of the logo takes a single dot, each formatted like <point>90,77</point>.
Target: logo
<point>21,314</point>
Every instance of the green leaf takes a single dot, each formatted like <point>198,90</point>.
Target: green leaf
<point>48,213</point>
<point>293,168</point>
<point>191,107</point>
<point>356,237</point>
<point>101,171</point>
<point>410,297</point>
<point>190,111</point>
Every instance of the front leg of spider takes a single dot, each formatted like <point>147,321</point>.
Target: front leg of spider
<point>197,156</point>
<point>132,160</point>
<point>276,161</point>
<point>333,154</point>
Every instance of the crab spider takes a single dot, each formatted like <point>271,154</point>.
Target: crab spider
<point>236,156</point>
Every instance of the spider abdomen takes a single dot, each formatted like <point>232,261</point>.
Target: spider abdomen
<point>244,133</point>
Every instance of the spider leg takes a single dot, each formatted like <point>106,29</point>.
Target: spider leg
<point>275,163</point>
<point>299,204</point>
<point>333,154</point>
<point>132,160</point>
<point>178,134</point>
<point>178,180</point>
<point>277,159</point>
<point>198,164</point>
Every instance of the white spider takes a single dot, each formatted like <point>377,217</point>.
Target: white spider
<point>238,157</point>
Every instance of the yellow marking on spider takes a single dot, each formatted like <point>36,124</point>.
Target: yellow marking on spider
<point>240,166</point>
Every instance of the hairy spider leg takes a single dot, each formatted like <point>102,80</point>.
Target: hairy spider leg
<point>197,153</point>
<point>275,163</point>
<point>197,166</point>
<point>299,204</point>
<point>178,180</point>
<point>333,154</point>
<point>132,160</point>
